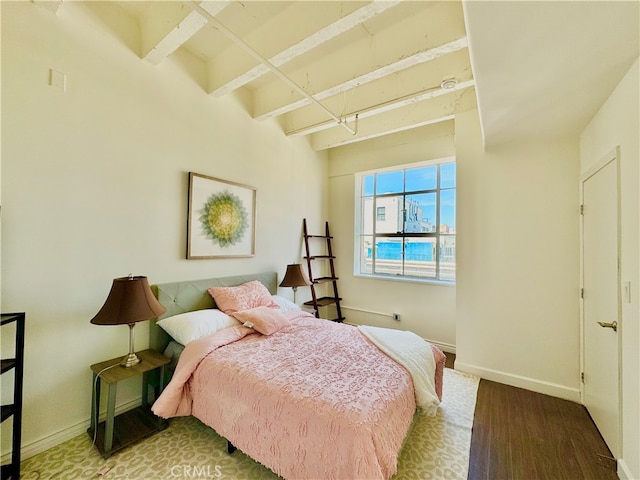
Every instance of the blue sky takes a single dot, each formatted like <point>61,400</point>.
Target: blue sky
<point>421,178</point>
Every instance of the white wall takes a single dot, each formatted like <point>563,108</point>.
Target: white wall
<point>94,186</point>
<point>518,262</point>
<point>426,309</point>
<point>617,123</point>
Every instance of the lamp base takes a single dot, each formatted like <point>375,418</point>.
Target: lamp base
<point>130,360</point>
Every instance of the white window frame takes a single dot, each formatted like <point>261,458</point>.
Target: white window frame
<point>358,213</point>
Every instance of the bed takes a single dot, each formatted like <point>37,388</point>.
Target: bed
<point>306,397</point>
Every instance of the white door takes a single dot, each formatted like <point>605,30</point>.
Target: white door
<point>601,299</point>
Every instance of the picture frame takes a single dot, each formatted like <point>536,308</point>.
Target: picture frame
<point>221,221</point>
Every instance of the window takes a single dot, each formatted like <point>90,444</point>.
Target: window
<point>407,222</point>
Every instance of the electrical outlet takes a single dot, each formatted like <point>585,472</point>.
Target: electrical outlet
<point>396,317</point>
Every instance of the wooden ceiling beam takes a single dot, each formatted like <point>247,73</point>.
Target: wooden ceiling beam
<point>417,83</point>
<point>318,38</point>
<point>370,76</point>
<point>418,35</point>
<point>350,118</point>
<point>170,26</point>
<point>410,116</point>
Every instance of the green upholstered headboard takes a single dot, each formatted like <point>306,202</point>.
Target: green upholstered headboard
<point>190,295</point>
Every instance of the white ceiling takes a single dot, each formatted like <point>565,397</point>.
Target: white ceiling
<point>541,68</point>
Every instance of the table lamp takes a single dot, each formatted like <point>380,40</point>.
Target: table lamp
<point>294,277</point>
<point>130,300</point>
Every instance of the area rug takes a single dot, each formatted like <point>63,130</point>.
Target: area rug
<point>436,448</point>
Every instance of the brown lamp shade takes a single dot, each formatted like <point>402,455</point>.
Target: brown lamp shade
<point>294,277</point>
<point>130,300</point>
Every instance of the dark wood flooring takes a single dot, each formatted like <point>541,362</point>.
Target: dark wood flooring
<point>523,435</point>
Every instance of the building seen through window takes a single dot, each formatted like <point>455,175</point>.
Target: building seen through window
<point>406,222</point>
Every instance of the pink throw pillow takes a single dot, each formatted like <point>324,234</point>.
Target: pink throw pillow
<point>262,319</point>
<point>242,297</point>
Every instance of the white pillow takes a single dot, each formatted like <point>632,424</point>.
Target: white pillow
<point>285,305</point>
<point>189,326</point>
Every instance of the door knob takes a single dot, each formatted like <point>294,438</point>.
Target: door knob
<point>613,325</point>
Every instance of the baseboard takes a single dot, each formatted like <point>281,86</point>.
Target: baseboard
<point>539,386</point>
<point>45,443</point>
<point>623,471</point>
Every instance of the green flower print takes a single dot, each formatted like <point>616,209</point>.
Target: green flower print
<point>224,219</point>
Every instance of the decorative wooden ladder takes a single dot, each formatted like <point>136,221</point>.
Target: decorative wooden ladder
<point>12,470</point>
<point>316,301</point>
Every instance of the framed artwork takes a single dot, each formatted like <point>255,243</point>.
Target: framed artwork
<point>221,219</point>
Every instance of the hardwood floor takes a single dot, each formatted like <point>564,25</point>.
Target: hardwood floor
<point>519,434</point>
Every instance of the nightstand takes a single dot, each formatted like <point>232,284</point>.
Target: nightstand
<point>118,432</point>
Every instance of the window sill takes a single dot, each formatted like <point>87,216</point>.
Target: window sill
<point>423,281</point>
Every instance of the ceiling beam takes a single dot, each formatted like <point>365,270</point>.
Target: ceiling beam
<point>410,116</point>
<point>170,26</point>
<point>425,78</point>
<point>419,35</point>
<point>370,76</point>
<point>300,48</point>
<point>350,118</point>
<point>275,70</point>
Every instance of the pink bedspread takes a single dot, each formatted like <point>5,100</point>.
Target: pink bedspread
<point>313,400</point>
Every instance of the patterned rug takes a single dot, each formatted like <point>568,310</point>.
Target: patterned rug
<point>436,448</point>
